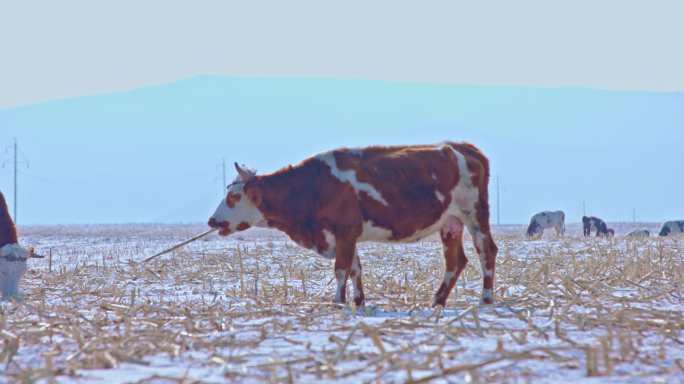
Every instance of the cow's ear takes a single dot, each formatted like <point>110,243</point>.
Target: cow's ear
<point>245,173</point>
<point>254,194</point>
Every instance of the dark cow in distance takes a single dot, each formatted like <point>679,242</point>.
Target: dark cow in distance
<point>675,227</point>
<point>592,223</point>
<point>332,201</point>
<point>639,233</point>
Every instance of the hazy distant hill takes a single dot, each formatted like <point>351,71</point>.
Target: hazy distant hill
<point>151,154</point>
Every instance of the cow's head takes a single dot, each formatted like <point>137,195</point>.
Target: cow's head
<point>534,229</point>
<point>238,211</point>
<point>665,230</point>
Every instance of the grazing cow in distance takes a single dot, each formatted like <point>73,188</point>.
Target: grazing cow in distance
<point>675,227</point>
<point>639,233</point>
<point>545,220</point>
<point>592,223</point>
<point>12,256</point>
<point>334,200</point>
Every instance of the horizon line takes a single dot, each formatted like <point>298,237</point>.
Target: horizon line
<point>5,108</point>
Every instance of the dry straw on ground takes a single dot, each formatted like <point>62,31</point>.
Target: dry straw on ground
<point>259,310</point>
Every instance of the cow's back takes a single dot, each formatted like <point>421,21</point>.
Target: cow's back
<point>412,186</point>
<point>399,193</point>
<point>674,227</point>
<point>401,175</point>
<point>549,217</point>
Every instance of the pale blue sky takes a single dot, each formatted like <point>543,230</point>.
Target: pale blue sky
<point>153,154</point>
<point>56,49</point>
<point>124,109</point>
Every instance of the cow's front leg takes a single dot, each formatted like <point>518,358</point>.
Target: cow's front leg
<point>344,257</point>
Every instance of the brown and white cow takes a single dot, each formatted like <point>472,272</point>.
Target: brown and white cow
<point>332,201</point>
<point>12,255</point>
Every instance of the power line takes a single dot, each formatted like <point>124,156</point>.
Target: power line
<point>15,163</point>
<point>498,201</point>
<point>223,164</point>
<point>222,176</point>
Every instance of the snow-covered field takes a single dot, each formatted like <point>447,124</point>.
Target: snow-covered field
<point>255,307</point>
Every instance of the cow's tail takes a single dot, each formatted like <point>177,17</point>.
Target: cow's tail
<point>471,153</point>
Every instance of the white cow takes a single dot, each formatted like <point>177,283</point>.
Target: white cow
<point>12,255</point>
<point>639,233</point>
<point>675,227</point>
<point>12,267</point>
<point>545,220</point>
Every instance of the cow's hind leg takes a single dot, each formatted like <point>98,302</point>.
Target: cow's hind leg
<point>454,257</point>
<point>344,258</point>
<point>486,248</point>
<point>359,298</point>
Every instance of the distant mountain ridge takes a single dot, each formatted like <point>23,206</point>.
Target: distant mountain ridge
<point>159,146</point>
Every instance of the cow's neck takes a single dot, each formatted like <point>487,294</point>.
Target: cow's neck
<point>288,202</point>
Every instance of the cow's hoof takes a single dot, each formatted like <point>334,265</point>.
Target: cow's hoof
<point>438,312</point>
<point>369,311</point>
<point>436,304</point>
<point>439,301</point>
<point>364,310</point>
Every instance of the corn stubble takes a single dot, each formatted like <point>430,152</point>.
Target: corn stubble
<point>261,310</point>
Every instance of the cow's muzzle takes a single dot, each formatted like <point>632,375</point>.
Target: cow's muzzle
<point>223,226</point>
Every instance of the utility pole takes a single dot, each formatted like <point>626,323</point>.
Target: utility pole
<point>498,202</point>
<point>223,163</point>
<point>584,208</point>
<point>222,177</point>
<point>15,163</point>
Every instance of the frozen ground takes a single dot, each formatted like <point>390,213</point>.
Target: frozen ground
<point>255,308</point>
